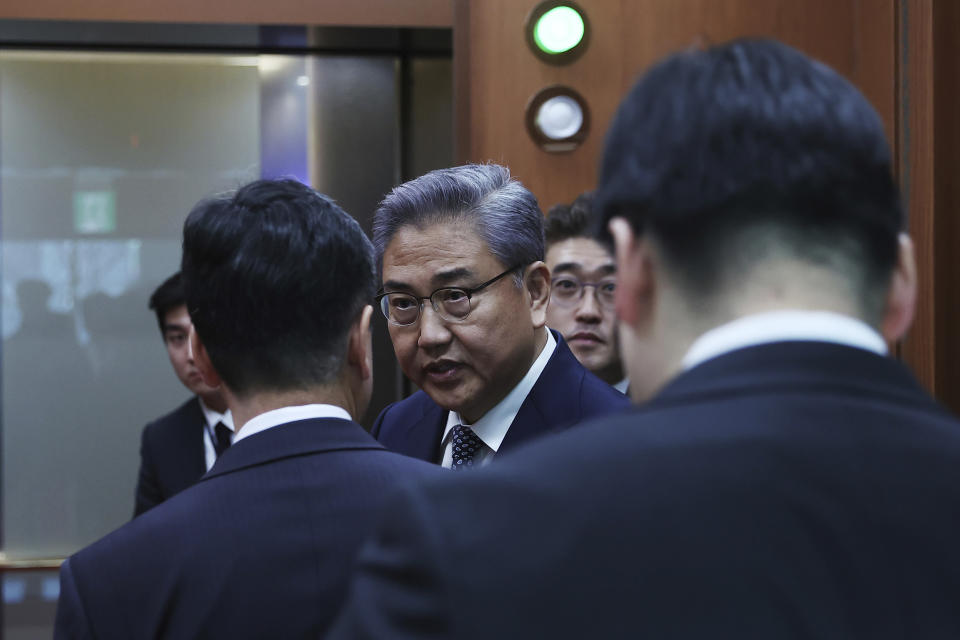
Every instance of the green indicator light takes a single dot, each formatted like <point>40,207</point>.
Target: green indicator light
<point>559,30</point>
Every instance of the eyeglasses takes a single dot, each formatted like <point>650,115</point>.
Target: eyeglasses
<point>453,304</point>
<point>567,291</point>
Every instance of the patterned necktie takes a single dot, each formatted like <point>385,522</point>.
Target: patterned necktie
<point>223,438</point>
<point>466,444</point>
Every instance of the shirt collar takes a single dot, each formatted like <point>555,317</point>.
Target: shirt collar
<point>492,427</point>
<point>284,415</point>
<point>622,385</point>
<point>213,417</point>
<point>784,326</point>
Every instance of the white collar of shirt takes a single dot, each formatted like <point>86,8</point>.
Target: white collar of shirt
<point>622,385</point>
<point>284,415</point>
<point>492,427</point>
<point>784,326</point>
<point>213,417</point>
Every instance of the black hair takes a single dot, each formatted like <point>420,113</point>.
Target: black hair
<point>167,296</point>
<point>275,274</point>
<point>575,220</point>
<point>752,137</point>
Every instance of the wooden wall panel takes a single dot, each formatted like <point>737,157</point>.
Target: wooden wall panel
<point>855,36</point>
<point>946,83</point>
<point>929,154</point>
<point>903,54</point>
<point>915,146</point>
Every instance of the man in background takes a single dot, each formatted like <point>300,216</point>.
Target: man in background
<point>178,448</point>
<point>465,293</point>
<point>582,289</point>
<point>278,281</point>
<point>785,478</point>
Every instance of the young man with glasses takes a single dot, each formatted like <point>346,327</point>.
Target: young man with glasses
<point>465,293</point>
<point>583,285</point>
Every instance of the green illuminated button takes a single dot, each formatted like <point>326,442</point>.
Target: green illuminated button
<point>558,30</point>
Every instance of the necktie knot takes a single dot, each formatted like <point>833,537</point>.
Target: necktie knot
<point>466,445</point>
<point>223,436</point>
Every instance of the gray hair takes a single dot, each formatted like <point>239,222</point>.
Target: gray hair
<point>503,211</point>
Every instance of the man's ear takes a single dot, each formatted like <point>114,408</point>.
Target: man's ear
<point>536,282</point>
<point>200,357</point>
<point>902,294</point>
<point>360,345</point>
<point>636,274</point>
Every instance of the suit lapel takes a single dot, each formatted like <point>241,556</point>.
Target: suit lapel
<point>293,439</point>
<point>554,401</point>
<point>422,438</point>
<point>183,459</point>
<point>194,449</point>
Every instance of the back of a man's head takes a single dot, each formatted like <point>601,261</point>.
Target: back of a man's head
<point>748,153</point>
<point>275,274</point>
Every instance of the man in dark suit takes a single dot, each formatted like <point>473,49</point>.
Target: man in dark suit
<point>786,477</point>
<point>278,282</point>
<point>465,294</point>
<point>178,448</point>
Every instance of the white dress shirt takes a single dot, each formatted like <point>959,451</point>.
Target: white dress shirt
<point>276,417</point>
<point>492,427</point>
<point>622,385</point>
<point>784,326</point>
<point>212,418</point>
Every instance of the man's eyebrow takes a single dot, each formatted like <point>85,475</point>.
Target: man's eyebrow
<point>606,269</point>
<point>446,277</point>
<point>440,278</point>
<point>568,266</point>
<point>396,285</point>
<point>173,326</point>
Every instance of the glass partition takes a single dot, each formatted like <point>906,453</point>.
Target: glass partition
<point>102,155</point>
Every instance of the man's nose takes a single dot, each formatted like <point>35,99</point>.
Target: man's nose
<point>433,330</point>
<point>588,309</point>
<point>190,345</point>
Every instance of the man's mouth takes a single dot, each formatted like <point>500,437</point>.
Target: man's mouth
<point>442,370</point>
<point>586,338</point>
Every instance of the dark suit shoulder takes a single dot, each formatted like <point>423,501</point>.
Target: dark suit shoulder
<point>598,395</point>
<point>307,493</point>
<point>403,413</point>
<point>188,413</point>
<point>568,393</point>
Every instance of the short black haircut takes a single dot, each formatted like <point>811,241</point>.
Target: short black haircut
<point>752,139</point>
<point>167,296</point>
<point>275,274</point>
<point>576,220</point>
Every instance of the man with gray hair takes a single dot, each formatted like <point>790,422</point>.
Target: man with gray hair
<point>785,477</point>
<point>492,376</point>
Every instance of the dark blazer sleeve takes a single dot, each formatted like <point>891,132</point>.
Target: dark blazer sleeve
<point>71,621</point>
<point>397,591</point>
<point>148,493</point>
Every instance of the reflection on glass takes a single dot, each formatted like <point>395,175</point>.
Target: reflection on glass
<point>103,156</point>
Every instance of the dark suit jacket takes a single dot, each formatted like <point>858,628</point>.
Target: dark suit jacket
<point>261,547</point>
<point>565,394</point>
<point>791,490</point>
<point>171,455</point>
